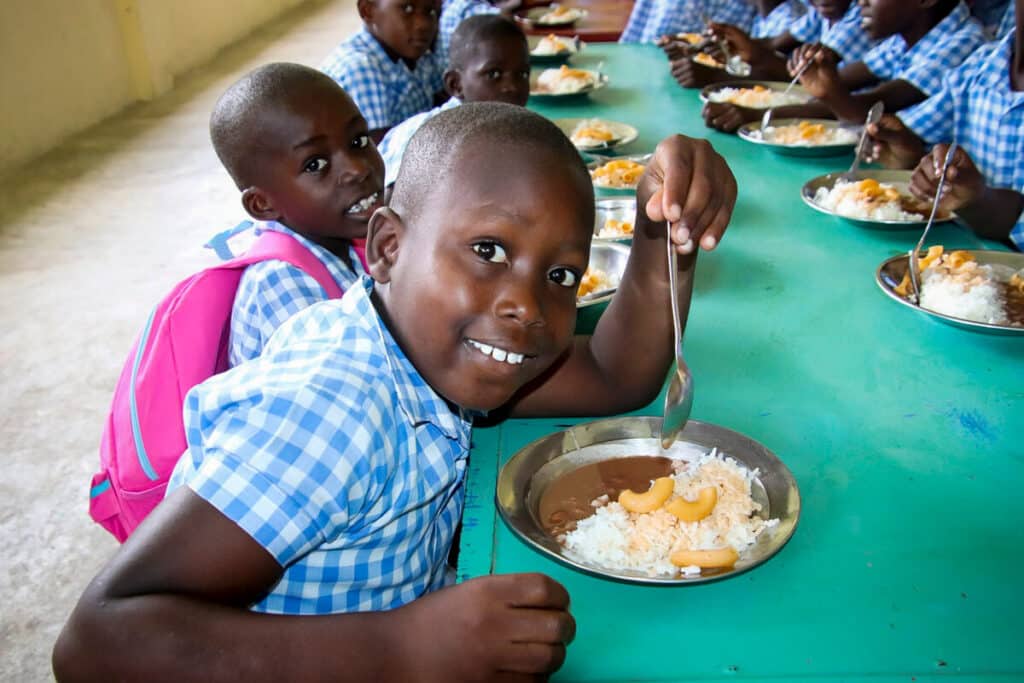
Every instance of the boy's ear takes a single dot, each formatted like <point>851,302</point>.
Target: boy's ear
<point>365,8</point>
<point>383,239</point>
<point>453,83</point>
<point>258,205</point>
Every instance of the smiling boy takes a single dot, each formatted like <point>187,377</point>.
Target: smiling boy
<point>391,68</point>
<point>327,476</point>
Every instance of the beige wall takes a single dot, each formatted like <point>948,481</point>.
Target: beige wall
<point>71,63</point>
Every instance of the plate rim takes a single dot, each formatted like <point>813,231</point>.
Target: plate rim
<point>646,157</point>
<point>775,85</point>
<point>744,133</point>
<point>861,174</point>
<point>615,245</point>
<point>523,15</point>
<point>625,140</point>
<point>600,81</point>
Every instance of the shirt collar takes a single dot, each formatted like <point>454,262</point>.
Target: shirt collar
<point>377,49</point>
<point>942,31</point>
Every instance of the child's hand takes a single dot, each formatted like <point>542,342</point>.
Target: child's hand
<point>739,42</point>
<point>674,48</point>
<point>964,182</point>
<point>502,627</point>
<point>725,116</point>
<point>821,77</point>
<point>688,184</point>
<point>690,74</point>
<point>893,145</point>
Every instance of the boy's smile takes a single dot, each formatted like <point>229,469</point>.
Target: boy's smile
<point>481,294</point>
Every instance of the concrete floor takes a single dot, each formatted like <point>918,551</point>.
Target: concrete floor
<point>91,236</point>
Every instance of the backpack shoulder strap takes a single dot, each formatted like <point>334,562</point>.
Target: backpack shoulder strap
<point>276,245</point>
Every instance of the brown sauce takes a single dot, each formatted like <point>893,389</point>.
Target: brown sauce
<point>1014,304</point>
<point>567,499</point>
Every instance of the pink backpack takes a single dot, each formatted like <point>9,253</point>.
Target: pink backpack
<point>184,342</point>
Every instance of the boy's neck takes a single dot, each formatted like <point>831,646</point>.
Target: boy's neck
<point>925,22</point>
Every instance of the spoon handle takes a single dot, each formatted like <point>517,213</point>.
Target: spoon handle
<point>673,268</point>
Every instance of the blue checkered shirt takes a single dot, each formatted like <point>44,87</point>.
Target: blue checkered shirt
<point>452,14</point>
<point>944,47</point>
<point>392,147</point>
<point>977,108</point>
<point>334,454</point>
<point>778,20</point>
<point>845,36</point>
<point>652,19</point>
<point>271,292</point>
<point>386,91</point>
<point>1008,23</point>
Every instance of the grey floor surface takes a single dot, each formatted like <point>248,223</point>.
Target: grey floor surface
<point>91,236</point>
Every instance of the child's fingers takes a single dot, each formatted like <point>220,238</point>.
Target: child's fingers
<point>530,590</point>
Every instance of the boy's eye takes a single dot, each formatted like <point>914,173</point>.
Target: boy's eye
<point>361,142</point>
<point>494,74</point>
<point>408,9</point>
<point>564,277</point>
<point>315,165</point>
<point>492,252</point>
<point>524,75</point>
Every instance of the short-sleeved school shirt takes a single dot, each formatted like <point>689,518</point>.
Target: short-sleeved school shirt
<point>333,453</point>
<point>652,19</point>
<point>977,109</point>
<point>453,13</point>
<point>923,65</point>
<point>778,20</point>
<point>845,35</point>
<point>385,90</point>
<point>392,147</point>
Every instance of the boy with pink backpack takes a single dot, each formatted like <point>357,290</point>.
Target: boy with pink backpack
<point>299,151</point>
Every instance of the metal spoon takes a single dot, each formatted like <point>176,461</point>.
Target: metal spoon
<point>874,115</point>
<point>914,255</point>
<point>800,72</point>
<point>679,398</point>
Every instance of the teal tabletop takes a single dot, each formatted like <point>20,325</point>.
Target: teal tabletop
<point>905,436</point>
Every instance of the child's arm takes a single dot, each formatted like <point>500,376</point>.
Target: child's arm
<point>894,145</point>
<point>764,62</point>
<point>624,364</point>
<point>989,211</point>
<point>172,606</point>
<point>728,117</point>
<point>690,74</point>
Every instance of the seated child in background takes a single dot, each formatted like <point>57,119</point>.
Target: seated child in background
<point>391,68</point>
<point>327,476</point>
<point>773,18</point>
<point>981,107</point>
<point>660,20</point>
<point>297,148</point>
<point>454,12</point>
<point>489,61</point>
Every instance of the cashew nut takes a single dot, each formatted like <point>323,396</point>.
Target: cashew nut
<point>698,509</point>
<point>723,557</point>
<point>649,501</point>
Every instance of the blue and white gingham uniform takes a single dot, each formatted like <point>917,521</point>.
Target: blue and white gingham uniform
<point>453,12</point>
<point>977,108</point>
<point>652,19</point>
<point>334,454</point>
<point>944,47</point>
<point>386,91</point>
<point>271,292</point>
<point>778,20</point>
<point>392,147</point>
<point>845,36</point>
<point>1008,23</point>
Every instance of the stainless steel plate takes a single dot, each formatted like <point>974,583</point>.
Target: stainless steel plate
<point>751,132</point>
<point>890,274</point>
<point>777,86</point>
<point>576,46</point>
<point>623,132</point>
<point>601,161</point>
<point>617,209</point>
<point>525,477</point>
<point>899,179</point>
<point>611,258</point>
<point>600,81</point>
<point>532,17</point>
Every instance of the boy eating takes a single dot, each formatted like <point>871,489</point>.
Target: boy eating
<point>326,477</point>
<point>489,62</point>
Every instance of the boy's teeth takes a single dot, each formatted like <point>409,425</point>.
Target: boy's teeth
<point>363,204</point>
<point>497,354</point>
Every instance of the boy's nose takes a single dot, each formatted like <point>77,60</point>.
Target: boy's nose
<point>519,301</point>
<point>354,170</point>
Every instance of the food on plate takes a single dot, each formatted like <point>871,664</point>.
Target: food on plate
<point>592,133</point>
<point>596,514</point>
<point>691,38</point>
<point>757,97</point>
<point>707,60</point>
<point>618,174</point>
<point>551,45</point>
<point>808,134</point>
<point>594,280</point>
<point>563,80</point>
<point>955,284</point>
<point>559,14</point>
<point>869,199</point>
<point>613,229</point>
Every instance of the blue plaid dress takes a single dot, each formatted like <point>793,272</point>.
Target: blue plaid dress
<point>652,19</point>
<point>333,454</point>
<point>386,91</point>
<point>271,292</point>
<point>392,147</point>
<point>778,20</point>
<point>453,12</point>
<point>945,47</point>
<point>845,36</point>
<point>976,108</point>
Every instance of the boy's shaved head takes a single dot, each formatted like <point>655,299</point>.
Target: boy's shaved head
<point>476,30</point>
<point>430,159</point>
<point>237,118</point>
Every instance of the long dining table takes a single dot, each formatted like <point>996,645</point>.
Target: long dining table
<point>905,437</point>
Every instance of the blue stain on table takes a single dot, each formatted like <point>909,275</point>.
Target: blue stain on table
<point>974,423</point>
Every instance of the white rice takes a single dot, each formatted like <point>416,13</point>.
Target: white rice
<point>971,291</point>
<point>791,136</point>
<point>755,98</point>
<point>642,542</point>
<point>844,199</point>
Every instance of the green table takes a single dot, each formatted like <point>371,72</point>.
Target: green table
<point>906,437</point>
